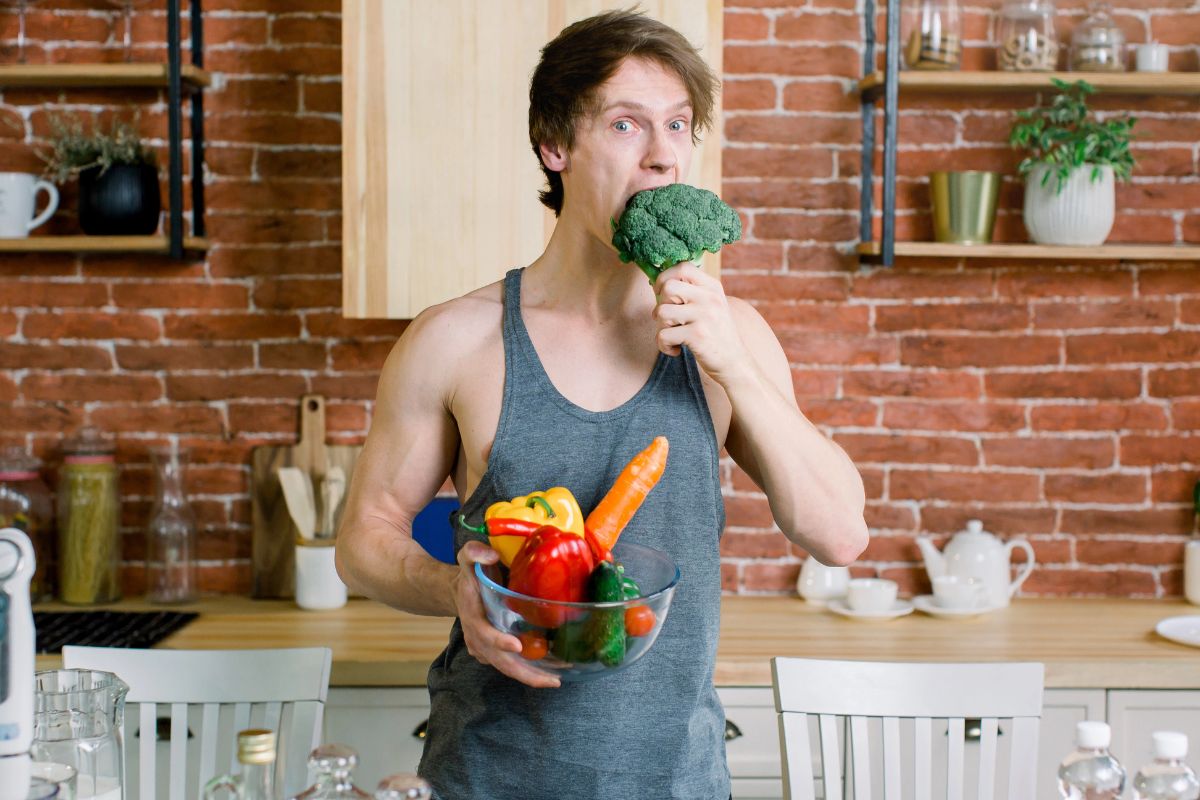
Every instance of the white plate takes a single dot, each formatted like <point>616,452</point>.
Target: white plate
<point>898,609</point>
<point>925,603</point>
<point>1185,630</point>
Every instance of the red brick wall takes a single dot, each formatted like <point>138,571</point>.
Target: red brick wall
<point>1055,401</point>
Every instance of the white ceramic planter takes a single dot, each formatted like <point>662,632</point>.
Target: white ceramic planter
<point>1081,214</point>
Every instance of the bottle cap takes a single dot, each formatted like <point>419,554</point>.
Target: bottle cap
<point>256,746</point>
<point>1092,734</point>
<point>1170,745</point>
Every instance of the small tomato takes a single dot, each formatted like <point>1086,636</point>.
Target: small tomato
<point>639,620</point>
<point>533,645</point>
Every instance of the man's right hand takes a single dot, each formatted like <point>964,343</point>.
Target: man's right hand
<point>487,644</point>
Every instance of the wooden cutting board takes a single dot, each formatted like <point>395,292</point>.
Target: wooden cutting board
<point>273,558</point>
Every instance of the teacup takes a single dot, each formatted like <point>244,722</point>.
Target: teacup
<point>871,595</point>
<point>957,592</point>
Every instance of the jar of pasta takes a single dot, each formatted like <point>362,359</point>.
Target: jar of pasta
<point>89,541</point>
<point>25,504</point>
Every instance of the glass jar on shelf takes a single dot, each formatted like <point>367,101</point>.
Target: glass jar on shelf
<point>931,34</point>
<point>1027,41</point>
<point>1098,45</point>
<point>26,504</point>
<point>171,532</point>
<point>89,540</point>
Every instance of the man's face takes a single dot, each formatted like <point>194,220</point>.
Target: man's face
<point>641,138</point>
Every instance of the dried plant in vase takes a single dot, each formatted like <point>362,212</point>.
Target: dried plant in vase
<point>118,175</point>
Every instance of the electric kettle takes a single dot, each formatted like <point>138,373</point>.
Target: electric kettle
<point>16,664</point>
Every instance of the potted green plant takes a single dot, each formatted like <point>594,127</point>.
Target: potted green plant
<point>118,176</point>
<point>1071,163</point>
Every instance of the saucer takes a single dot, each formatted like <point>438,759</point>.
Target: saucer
<point>898,609</point>
<point>1184,630</point>
<point>925,603</point>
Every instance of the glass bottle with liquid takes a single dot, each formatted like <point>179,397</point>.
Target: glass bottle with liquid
<point>403,786</point>
<point>333,764</point>
<point>256,755</point>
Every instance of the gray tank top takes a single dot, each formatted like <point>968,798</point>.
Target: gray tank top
<point>656,730</point>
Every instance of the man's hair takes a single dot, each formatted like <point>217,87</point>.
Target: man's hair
<point>566,84</point>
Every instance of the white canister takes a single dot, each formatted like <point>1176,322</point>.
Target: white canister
<point>18,193</point>
<point>1191,572</point>
<point>318,587</point>
<point>1152,57</point>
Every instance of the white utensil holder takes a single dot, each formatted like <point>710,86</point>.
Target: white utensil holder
<point>318,587</point>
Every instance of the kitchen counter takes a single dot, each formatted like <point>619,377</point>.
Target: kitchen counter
<point>1083,643</point>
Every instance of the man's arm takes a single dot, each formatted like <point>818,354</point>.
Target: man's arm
<point>815,492</point>
<point>407,455</point>
<point>409,452</point>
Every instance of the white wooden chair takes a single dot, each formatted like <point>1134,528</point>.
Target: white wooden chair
<point>208,696</point>
<point>897,708</point>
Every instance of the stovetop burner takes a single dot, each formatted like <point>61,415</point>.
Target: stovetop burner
<point>105,628</point>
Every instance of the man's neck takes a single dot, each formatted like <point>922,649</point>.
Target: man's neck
<point>579,274</point>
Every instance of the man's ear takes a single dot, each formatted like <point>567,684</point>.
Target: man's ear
<point>554,156</point>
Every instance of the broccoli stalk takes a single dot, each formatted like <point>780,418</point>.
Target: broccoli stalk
<point>662,227</point>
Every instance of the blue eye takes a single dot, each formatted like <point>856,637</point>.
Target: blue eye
<point>621,122</point>
<point>681,123</point>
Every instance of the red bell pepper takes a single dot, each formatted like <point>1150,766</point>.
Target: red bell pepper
<point>552,565</point>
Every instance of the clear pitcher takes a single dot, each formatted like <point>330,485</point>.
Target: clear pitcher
<point>77,719</point>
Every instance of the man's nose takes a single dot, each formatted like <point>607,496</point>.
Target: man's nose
<point>661,154</point>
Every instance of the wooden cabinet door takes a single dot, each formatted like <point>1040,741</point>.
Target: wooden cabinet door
<point>439,182</point>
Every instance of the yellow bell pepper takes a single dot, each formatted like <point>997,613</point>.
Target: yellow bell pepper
<point>556,507</point>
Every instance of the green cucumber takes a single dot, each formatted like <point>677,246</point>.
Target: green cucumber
<point>606,627</point>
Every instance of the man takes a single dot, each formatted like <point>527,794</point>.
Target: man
<point>556,376</point>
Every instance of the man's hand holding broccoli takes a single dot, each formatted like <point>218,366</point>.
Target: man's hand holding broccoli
<point>673,224</point>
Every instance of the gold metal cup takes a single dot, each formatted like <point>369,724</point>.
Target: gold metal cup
<point>964,206</point>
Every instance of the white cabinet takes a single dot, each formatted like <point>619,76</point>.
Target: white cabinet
<point>385,726</point>
<point>1135,714</point>
<point>1061,710</point>
<point>752,742</point>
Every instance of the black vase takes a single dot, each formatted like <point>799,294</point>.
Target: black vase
<point>124,201</point>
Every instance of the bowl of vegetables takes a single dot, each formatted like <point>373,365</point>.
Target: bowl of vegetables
<point>628,591</point>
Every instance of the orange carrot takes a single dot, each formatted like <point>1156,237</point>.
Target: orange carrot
<point>610,517</point>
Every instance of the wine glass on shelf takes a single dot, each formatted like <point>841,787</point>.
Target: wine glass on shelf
<point>21,6</point>
<point>127,7</point>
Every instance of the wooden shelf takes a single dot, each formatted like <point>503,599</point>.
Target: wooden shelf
<point>99,244</point>
<point>99,75</point>
<point>1161,83</point>
<point>1114,252</point>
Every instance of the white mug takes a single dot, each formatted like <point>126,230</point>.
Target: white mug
<point>318,586</point>
<point>18,193</point>
<point>1191,572</point>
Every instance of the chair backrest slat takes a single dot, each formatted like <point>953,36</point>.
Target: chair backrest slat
<point>210,696</point>
<point>209,731</point>
<point>895,694</point>
<point>860,756</point>
<point>923,756</point>
<point>1023,748</point>
<point>797,765</point>
<point>831,767</point>
<point>987,758</point>
<point>891,758</point>
<point>177,787</point>
<point>955,756</point>
<point>147,742</point>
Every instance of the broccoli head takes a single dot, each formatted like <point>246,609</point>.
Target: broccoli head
<point>662,227</point>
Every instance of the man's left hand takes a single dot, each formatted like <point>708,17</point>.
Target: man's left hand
<point>692,310</point>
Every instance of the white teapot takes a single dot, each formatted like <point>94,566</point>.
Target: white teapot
<point>975,553</point>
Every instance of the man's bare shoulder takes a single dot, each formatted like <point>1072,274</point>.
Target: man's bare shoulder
<point>444,335</point>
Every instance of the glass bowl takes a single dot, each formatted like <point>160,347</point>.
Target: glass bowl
<point>561,637</point>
